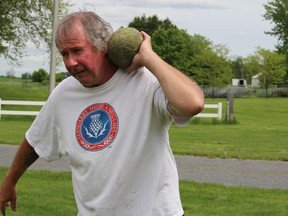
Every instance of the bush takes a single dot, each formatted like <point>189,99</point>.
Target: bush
<point>26,76</point>
<point>39,76</point>
<point>239,92</point>
<point>61,76</point>
<point>223,92</point>
<point>280,92</point>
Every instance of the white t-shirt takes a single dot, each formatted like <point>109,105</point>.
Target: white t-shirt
<point>116,136</point>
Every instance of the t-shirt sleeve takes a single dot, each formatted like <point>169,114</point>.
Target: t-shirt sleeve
<point>43,134</point>
<point>163,105</point>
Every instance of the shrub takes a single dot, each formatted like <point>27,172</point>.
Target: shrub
<point>39,75</point>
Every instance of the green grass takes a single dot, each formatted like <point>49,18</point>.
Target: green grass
<point>18,89</point>
<point>260,132</point>
<point>44,193</point>
<point>50,193</point>
<point>211,199</point>
<point>13,128</point>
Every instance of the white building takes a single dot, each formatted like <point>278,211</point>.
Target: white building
<point>239,82</point>
<point>255,80</point>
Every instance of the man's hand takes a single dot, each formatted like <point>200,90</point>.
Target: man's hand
<point>7,197</point>
<point>140,58</point>
<point>24,157</point>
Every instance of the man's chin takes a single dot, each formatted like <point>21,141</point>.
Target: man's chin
<point>87,83</point>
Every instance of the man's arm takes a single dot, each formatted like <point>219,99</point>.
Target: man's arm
<point>24,158</point>
<point>185,96</point>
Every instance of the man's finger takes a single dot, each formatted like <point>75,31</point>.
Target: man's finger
<point>13,204</point>
<point>3,208</point>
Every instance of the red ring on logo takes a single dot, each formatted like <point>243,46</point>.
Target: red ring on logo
<point>112,133</point>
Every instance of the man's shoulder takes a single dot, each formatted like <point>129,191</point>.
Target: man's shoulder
<point>144,74</point>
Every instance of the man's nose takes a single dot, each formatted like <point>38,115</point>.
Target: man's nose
<point>70,61</point>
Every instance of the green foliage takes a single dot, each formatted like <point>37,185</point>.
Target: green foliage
<point>61,76</point>
<point>276,12</point>
<point>251,66</point>
<point>211,69</point>
<point>273,68</point>
<point>237,66</point>
<point>26,76</point>
<point>150,24</point>
<point>175,46</point>
<point>39,75</point>
<point>25,20</point>
<point>192,55</point>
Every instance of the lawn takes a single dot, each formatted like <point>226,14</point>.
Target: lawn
<point>50,193</point>
<point>260,132</point>
<point>18,89</point>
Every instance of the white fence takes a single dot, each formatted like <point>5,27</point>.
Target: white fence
<point>217,114</point>
<point>21,103</point>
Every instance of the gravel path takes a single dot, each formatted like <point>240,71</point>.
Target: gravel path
<point>250,173</point>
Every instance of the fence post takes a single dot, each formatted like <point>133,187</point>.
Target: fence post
<point>0,108</point>
<point>219,111</point>
<point>229,114</point>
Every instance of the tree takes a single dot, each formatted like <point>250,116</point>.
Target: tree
<point>211,69</point>
<point>193,55</point>
<point>270,65</point>
<point>26,76</point>
<point>276,12</point>
<point>237,67</point>
<point>10,73</point>
<point>177,47</point>
<point>273,68</point>
<point>25,20</point>
<point>251,66</point>
<point>39,75</point>
<point>150,24</point>
<point>61,76</point>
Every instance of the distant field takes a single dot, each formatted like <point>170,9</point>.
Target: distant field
<point>18,89</point>
<point>260,131</point>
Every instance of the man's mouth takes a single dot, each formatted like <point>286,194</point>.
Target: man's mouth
<point>75,73</point>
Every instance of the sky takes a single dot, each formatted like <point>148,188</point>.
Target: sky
<point>237,24</point>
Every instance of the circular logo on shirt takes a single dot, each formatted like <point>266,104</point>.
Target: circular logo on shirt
<point>97,127</point>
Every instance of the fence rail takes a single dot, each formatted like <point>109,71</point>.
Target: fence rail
<point>21,103</point>
<point>217,114</point>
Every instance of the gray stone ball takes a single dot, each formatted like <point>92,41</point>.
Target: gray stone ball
<point>123,45</point>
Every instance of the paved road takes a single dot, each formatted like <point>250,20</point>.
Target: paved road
<point>251,173</point>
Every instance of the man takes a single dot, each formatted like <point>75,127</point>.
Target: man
<point>112,124</point>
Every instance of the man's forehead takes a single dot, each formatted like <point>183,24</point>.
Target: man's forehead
<point>75,30</point>
<point>74,34</point>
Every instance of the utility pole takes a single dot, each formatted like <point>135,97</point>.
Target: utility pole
<point>53,47</point>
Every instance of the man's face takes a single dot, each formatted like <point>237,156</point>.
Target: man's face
<point>81,60</point>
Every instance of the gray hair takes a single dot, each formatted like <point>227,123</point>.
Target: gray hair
<point>95,28</point>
